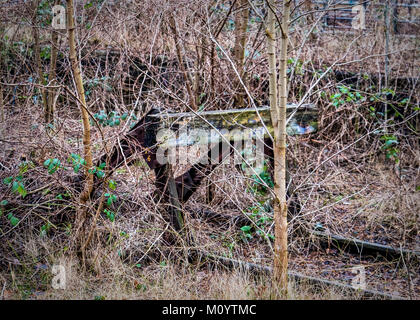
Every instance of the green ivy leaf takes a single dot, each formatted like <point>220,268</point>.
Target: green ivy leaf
<point>100,174</point>
<point>246,229</point>
<point>343,89</point>
<point>21,189</point>
<point>390,142</point>
<point>112,184</point>
<point>8,180</point>
<point>110,215</point>
<point>13,220</point>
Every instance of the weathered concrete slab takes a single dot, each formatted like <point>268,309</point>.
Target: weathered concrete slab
<point>189,128</point>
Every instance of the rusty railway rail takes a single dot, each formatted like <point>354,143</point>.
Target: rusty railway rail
<point>364,247</point>
<point>317,283</point>
<point>351,245</point>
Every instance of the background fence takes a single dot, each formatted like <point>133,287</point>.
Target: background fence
<point>403,15</point>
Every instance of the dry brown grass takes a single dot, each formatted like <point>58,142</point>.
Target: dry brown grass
<point>120,281</point>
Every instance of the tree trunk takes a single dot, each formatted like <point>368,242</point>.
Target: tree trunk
<point>199,67</point>
<point>241,24</point>
<point>49,114</point>
<point>37,54</point>
<point>1,104</point>
<point>280,215</point>
<point>187,75</point>
<point>1,89</point>
<point>272,72</point>
<point>278,116</point>
<point>82,101</point>
<point>213,53</point>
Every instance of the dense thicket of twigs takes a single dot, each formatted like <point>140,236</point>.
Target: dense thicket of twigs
<point>357,176</point>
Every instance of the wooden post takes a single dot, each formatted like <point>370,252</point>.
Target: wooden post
<point>209,191</point>
<point>209,187</point>
<point>166,185</point>
<point>175,210</point>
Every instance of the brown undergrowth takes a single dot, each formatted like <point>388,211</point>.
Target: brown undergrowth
<point>358,176</point>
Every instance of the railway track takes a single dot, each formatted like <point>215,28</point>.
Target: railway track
<point>317,283</point>
<point>350,245</point>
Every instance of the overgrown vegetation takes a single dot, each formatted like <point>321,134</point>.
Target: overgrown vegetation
<point>357,176</point>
